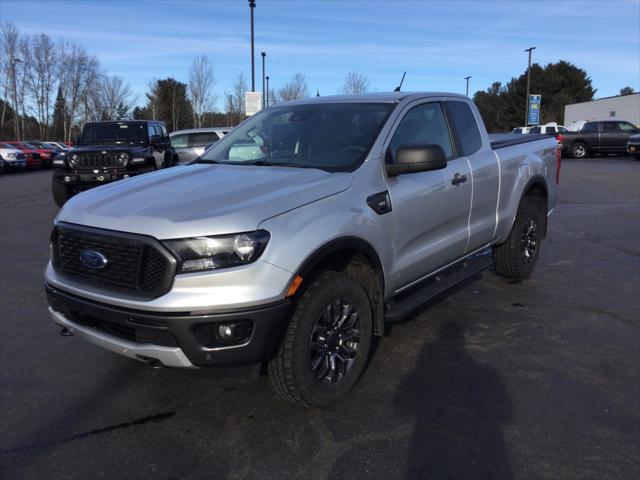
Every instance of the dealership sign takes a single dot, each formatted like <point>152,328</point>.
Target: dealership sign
<point>252,102</point>
<point>533,117</point>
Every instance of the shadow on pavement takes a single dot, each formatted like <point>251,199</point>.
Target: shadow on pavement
<point>460,407</point>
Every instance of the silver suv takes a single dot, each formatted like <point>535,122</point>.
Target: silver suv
<point>296,237</point>
<point>190,144</point>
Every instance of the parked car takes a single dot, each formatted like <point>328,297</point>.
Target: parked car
<point>110,151</point>
<point>11,158</point>
<point>190,144</point>
<point>47,154</point>
<point>32,156</point>
<point>360,210</point>
<point>610,136</point>
<point>633,146</point>
<point>548,129</point>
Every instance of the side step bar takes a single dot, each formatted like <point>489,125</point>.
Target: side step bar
<point>408,303</point>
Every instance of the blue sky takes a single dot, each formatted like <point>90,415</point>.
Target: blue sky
<point>437,42</point>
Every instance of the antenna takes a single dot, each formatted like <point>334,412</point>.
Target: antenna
<point>397,89</point>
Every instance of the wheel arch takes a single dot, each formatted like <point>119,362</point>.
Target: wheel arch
<point>537,187</point>
<point>356,257</point>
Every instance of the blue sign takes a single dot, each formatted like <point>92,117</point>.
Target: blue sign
<point>533,117</point>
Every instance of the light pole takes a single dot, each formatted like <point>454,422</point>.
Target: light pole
<point>13,62</point>
<point>263,95</point>
<point>526,111</point>
<point>267,90</point>
<point>252,5</point>
<point>467,79</point>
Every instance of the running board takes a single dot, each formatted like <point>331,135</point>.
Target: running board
<point>406,304</point>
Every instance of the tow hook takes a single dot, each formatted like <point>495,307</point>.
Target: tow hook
<point>65,332</point>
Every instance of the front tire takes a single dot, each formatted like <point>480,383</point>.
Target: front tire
<point>327,343</point>
<point>61,192</point>
<point>579,150</point>
<point>516,258</point>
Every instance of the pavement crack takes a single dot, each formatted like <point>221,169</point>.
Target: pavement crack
<point>159,417</point>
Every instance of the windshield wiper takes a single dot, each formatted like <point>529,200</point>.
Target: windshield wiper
<point>202,160</point>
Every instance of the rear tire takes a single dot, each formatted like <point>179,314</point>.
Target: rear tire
<point>579,150</point>
<point>61,193</point>
<point>327,343</point>
<point>516,258</point>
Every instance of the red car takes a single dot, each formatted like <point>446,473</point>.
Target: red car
<point>34,158</point>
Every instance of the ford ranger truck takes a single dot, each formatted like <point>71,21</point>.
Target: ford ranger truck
<point>109,151</point>
<point>293,240</point>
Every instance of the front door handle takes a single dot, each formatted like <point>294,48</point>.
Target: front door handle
<point>458,179</point>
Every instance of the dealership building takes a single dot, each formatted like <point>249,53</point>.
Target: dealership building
<point>620,107</point>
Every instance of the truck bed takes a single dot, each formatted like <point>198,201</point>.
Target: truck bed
<point>502,140</point>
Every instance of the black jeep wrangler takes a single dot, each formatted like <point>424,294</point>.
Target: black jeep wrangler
<point>110,151</point>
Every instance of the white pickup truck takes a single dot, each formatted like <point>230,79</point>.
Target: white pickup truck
<point>346,213</point>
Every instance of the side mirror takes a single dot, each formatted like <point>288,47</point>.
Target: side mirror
<point>417,158</point>
<point>155,139</point>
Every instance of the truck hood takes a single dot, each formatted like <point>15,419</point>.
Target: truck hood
<point>197,200</point>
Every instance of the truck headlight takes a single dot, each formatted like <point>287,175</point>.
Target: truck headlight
<point>212,253</point>
<point>123,159</point>
<point>74,160</point>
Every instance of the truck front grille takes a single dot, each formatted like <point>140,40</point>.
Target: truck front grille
<point>133,262</point>
<point>98,160</point>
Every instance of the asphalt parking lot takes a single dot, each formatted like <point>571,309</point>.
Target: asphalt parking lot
<point>501,379</point>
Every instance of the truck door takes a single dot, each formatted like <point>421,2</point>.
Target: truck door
<point>612,138</point>
<point>485,172</point>
<point>430,209</point>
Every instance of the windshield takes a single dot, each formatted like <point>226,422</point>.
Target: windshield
<point>332,137</point>
<point>116,133</point>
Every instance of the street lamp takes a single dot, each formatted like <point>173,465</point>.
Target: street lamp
<point>263,95</point>
<point>467,79</point>
<point>252,5</point>
<point>267,90</point>
<point>12,62</point>
<point>526,111</point>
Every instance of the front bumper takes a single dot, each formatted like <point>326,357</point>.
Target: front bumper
<point>174,339</point>
<point>83,179</point>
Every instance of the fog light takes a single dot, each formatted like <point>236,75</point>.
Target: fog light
<point>225,332</point>
<point>125,176</point>
<point>67,179</point>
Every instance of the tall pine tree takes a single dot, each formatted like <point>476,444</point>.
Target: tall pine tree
<point>59,115</point>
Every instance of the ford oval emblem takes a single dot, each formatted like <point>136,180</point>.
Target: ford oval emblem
<point>92,259</point>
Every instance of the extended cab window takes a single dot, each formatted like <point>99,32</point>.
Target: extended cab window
<point>626,127</point>
<point>179,141</point>
<point>551,130</point>
<point>534,130</point>
<point>610,127</point>
<point>590,128</point>
<point>465,127</point>
<point>424,124</point>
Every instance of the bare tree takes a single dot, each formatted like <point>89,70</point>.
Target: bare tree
<point>115,95</point>
<point>40,60</point>
<point>201,82</point>
<point>10,46</point>
<point>294,89</point>
<point>354,82</point>
<point>81,71</point>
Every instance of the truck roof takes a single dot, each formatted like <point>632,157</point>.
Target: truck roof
<point>383,97</point>
<point>126,121</point>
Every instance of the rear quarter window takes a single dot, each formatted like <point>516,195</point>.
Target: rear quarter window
<point>465,127</point>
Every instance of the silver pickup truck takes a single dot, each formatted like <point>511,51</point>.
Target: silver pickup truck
<point>348,212</point>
